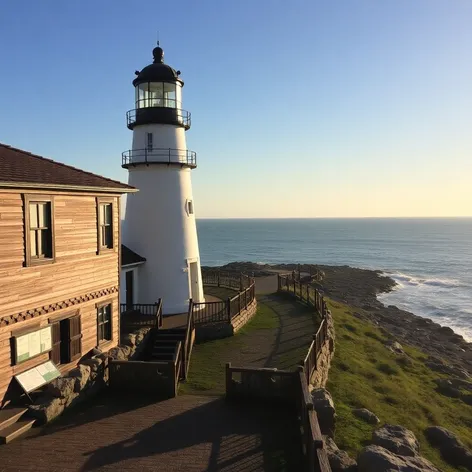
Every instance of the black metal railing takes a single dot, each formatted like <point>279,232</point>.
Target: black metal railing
<point>168,156</point>
<point>139,315</point>
<point>158,114</point>
<point>227,310</point>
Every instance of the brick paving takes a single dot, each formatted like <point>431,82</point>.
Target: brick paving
<point>187,433</point>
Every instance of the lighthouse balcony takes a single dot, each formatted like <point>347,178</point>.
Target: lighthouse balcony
<point>166,156</point>
<point>158,114</point>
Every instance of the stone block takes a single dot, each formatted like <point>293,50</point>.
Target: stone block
<point>61,387</point>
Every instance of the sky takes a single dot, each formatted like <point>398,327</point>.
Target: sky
<point>333,108</point>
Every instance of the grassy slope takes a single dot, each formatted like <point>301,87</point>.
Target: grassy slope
<point>366,374</point>
<point>207,365</point>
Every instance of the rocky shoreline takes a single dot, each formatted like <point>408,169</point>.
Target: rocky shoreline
<point>448,351</point>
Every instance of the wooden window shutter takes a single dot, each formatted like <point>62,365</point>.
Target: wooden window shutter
<point>75,338</point>
<point>55,355</point>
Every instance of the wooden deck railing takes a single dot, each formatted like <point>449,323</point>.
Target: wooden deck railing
<point>188,343</point>
<point>140,315</point>
<point>177,366</point>
<point>287,386</point>
<point>312,440</point>
<point>311,297</point>
<point>225,311</point>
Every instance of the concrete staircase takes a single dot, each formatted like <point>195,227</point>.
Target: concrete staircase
<point>13,424</point>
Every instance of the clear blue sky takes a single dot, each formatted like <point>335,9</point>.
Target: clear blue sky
<point>301,108</point>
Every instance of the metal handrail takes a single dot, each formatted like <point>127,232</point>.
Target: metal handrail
<point>159,155</point>
<point>183,117</point>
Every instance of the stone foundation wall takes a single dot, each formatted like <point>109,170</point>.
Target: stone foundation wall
<point>320,375</point>
<point>239,321</point>
<point>86,380</point>
<point>213,331</point>
<point>224,329</point>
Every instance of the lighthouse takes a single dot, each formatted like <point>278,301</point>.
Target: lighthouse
<point>159,222</point>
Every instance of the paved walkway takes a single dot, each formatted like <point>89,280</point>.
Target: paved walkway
<point>187,433</point>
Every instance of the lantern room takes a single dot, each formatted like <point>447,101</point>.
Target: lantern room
<point>158,95</point>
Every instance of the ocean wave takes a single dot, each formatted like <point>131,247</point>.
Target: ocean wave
<point>405,279</point>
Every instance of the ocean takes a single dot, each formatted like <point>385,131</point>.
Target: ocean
<point>429,258</point>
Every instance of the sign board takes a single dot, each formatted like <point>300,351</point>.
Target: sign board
<point>37,376</point>
<point>32,344</point>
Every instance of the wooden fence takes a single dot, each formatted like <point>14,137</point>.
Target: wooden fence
<point>225,311</point>
<point>311,297</point>
<point>287,386</point>
<point>312,440</point>
<point>156,378</point>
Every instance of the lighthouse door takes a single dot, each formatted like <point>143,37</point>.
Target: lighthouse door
<point>193,270</point>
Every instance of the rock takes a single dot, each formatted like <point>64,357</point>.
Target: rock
<point>120,353</point>
<point>366,415</point>
<point>61,387</point>
<point>446,387</point>
<point>324,407</point>
<point>81,375</point>
<point>338,460</point>
<point>129,340</point>
<point>451,448</point>
<point>396,439</point>
<point>46,410</point>
<point>461,383</point>
<point>439,366</point>
<point>379,459</point>
<point>94,364</point>
<point>396,347</point>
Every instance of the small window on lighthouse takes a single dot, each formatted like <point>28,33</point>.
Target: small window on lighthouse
<point>149,141</point>
<point>190,207</point>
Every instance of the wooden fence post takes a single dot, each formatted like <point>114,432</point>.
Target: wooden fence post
<point>278,282</point>
<point>228,309</point>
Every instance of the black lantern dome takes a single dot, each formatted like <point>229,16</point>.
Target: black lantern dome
<point>158,95</point>
<point>157,71</point>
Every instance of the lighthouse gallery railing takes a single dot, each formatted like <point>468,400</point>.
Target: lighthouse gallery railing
<point>159,155</point>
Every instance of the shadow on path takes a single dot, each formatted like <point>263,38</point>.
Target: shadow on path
<point>185,433</point>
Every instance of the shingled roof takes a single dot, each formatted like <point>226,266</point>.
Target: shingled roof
<point>23,169</point>
<point>129,257</point>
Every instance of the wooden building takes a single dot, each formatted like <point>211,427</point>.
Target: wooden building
<point>59,264</point>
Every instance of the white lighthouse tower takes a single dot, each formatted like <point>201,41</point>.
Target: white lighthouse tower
<point>159,221</point>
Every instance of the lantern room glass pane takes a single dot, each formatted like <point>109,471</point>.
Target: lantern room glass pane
<point>178,95</point>
<point>143,95</point>
<point>156,94</point>
<point>169,95</point>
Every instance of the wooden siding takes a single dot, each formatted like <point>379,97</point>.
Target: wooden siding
<point>77,270</point>
<point>88,315</point>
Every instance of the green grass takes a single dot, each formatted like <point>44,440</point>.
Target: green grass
<point>207,365</point>
<point>365,374</point>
